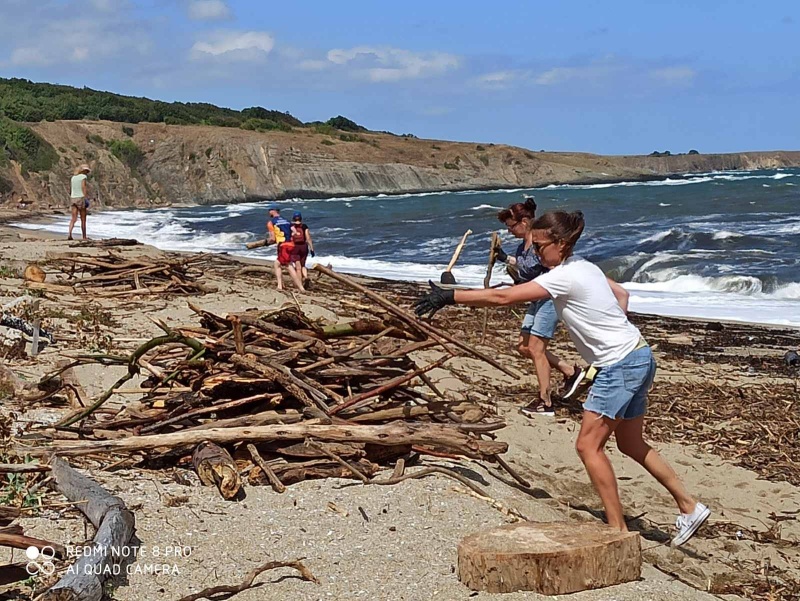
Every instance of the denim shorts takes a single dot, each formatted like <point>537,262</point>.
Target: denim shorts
<point>541,319</point>
<point>620,390</point>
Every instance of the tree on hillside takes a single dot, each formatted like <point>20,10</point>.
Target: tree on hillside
<point>345,124</point>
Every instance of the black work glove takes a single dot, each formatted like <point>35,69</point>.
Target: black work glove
<point>433,301</point>
<point>501,255</point>
<point>312,253</point>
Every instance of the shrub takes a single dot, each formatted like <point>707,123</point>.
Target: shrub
<point>128,131</point>
<point>192,157</point>
<point>484,159</point>
<point>344,124</point>
<point>209,150</point>
<point>450,166</point>
<point>479,148</point>
<point>328,142</point>
<point>693,152</point>
<point>95,139</point>
<point>324,128</point>
<point>255,124</point>
<point>349,138</point>
<point>23,145</point>
<point>5,185</point>
<point>127,152</point>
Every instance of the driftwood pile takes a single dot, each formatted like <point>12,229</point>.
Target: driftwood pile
<point>274,396</point>
<point>115,275</point>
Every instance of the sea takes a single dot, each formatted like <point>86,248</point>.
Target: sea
<point>721,245</point>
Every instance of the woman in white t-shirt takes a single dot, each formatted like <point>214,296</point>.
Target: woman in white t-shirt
<point>79,199</point>
<point>593,308</point>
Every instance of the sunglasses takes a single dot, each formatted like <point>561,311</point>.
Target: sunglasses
<point>538,247</point>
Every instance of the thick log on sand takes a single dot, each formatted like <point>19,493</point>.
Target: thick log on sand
<point>549,558</point>
<point>114,523</point>
<point>398,433</point>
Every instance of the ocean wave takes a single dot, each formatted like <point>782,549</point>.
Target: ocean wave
<point>724,234</point>
<point>485,206</point>
<point>667,281</point>
<point>664,204</point>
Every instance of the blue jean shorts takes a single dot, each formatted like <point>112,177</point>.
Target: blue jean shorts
<point>541,319</point>
<point>620,390</point>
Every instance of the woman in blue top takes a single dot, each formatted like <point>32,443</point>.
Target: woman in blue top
<point>540,321</point>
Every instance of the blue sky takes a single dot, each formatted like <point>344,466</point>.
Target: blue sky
<point>608,77</point>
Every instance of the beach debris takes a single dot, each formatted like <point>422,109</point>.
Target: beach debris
<point>115,275</point>
<point>791,358</point>
<point>105,242</point>
<point>114,525</point>
<point>227,591</point>
<point>34,273</point>
<point>280,398</point>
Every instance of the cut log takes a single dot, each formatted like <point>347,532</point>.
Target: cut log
<point>553,558</point>
<point>216,467</point>
<point>398,433</point>
<point>114,523</point>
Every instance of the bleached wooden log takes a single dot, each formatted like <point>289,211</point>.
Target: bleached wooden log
<point>393,434</point>
<point>114,523</point>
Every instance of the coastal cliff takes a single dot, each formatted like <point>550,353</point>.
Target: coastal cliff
<point>204,165</point>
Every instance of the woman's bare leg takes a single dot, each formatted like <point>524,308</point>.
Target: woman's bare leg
<point>83,223</point>
<point>72,221</point>
<point>565,368</point>
<point>278,275</point>
<point>295,275</point>
<point>595,432</point>
<point>631,442</point>
<point>537,347</point>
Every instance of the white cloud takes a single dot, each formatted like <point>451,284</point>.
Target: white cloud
<point>234,45</point>
<point>392,64</point>
<point>78,39</point>
<point>596,72</point>
<point>313,65</point>
<point>499,80</point>
<point>674,76</point>
<point>208,10</point>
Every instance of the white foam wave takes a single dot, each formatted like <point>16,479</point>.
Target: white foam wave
<point>724,234</point>
<point>485,206</point>
<point>664,204</point>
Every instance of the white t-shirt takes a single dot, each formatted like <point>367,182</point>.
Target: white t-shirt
<point>77,185</point>
<point>586,304</point>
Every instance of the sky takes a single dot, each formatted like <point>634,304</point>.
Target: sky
<point>617,77</point>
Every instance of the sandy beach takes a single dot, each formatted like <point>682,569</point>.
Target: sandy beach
<point>722,411</point>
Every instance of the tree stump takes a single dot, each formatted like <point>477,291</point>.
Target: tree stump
<point>549,558</point>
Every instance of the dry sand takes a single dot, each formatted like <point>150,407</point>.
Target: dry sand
<point>399,542</point>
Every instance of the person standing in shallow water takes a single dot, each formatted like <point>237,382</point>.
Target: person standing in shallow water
<point>79,199</point>
<point>593,309</point>
<point>540,321</point>
<point>279,231</point>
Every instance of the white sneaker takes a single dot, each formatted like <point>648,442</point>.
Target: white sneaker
<point>688,523</point>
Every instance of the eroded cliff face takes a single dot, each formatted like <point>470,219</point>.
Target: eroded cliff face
<point>204,165</point>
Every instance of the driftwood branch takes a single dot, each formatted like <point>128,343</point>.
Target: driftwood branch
<point>247,583</point>
<point>399,433</point>
<point>415,323</point>
<point>114,524</point>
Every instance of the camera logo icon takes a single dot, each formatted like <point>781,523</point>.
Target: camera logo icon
<point>40,560</point>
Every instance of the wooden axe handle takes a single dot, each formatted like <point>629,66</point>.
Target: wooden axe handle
<point>458,250</point>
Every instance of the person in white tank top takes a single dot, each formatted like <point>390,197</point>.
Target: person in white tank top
<point>594,310</point>
<point>79,199</point>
